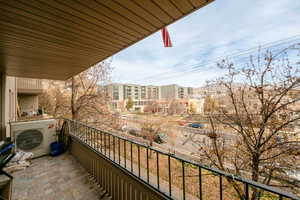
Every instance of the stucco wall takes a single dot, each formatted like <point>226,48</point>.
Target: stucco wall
<point>8,103</point>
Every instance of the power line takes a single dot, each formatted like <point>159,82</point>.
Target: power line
<point>245,52</point>
<point>201,67</point>
<point>192,68</point>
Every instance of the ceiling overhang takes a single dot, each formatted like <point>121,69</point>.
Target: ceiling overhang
<point>56,39</point>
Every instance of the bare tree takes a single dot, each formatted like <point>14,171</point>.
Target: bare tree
<point>172,133</point>
<point>149,131</point>
<point>88,97</point>
<point>192,108</point>
<point>152,107</point>
<point>129,104</point>
<point>83,97</point>
<point>176,107</point>
<point>55,99</point>
<point>210,104</point>
<point>258,110</point>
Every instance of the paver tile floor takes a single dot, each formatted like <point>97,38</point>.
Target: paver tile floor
<point>54,178</point>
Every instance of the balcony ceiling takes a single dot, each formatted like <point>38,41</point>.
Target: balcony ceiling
<point>56,39</point>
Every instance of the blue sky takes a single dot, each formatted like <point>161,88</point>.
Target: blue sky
<point>219,29</point>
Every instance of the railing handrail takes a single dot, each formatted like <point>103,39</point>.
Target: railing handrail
<point>214,170</point>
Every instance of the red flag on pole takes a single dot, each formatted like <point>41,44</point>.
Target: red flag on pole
<point>166,37</point>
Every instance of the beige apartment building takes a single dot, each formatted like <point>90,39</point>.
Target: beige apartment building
<point>143,95</point>
<point>174,91</point>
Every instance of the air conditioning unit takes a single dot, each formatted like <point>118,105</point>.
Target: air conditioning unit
<point>34,136</point>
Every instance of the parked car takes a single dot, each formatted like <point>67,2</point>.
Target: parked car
<point>161,138</point>
<point>134,132</point>
<point>181,123</point>
<point>196,125</point>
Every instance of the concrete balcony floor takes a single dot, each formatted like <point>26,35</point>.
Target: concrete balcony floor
<point>52,178</point>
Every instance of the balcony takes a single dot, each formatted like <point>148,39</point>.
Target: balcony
<point>101,164</point>
<point>59,39</point>
<point>29,86</point>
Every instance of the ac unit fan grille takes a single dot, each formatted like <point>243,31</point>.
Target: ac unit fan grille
<point>29,139</point>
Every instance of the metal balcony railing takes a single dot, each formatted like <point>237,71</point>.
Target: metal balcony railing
<point>165,174</point>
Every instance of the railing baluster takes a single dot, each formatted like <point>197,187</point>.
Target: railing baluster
<point>183,181</point>
<point>109,145</point>
<point>78,132</point>
<point>125,153</point>
<point>74,128</point>
<point>119,151</point>
<point>139,161</point>
<point>170,183</point>
<point>280,197</point>
<point>101,141</point>
<point>147,165</point>
<point>104,143</point>
<point>94,140</point>
<point>77,129</point>
<point>131,162</point>
<point>246,191</point>
<point>157,169</point>
<point>98,135</point>
<point>90,136</point>
<point>221,187</point>
<point>85,134</point>
<point>200,183</point>
<point>94,131</point>
<point>89,139</point>
<point>114,148</point>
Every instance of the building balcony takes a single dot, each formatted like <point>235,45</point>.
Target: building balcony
<point>29,86</point>
<point>102,165</point>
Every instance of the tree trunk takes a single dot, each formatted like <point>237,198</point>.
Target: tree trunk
<point>255,175</point>
<point>73,101</point>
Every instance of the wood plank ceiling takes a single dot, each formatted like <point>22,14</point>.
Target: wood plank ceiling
<point>56,39</point>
